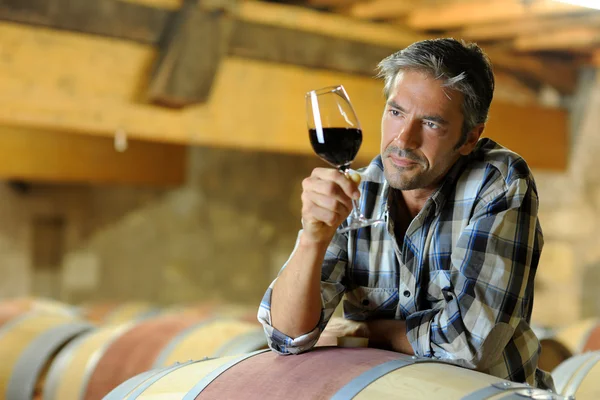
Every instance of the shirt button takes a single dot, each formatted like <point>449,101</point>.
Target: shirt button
<point>406,293</point>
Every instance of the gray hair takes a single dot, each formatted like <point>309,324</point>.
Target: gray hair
<point>462,67</point>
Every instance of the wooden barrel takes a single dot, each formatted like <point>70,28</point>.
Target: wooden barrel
<point>12,308</point>
<point>28,344</point>
<point>579,376</point>
<point>580,337</point>
<point>70,372</point>
<point>553,352</point>
<point>111,313</point>
<point>95,364</point>
<point>324,373</point>
<point>213,338</point>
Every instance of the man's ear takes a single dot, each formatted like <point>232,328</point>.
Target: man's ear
<point>472,138</point>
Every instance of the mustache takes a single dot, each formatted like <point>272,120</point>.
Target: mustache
<point>404,153</point>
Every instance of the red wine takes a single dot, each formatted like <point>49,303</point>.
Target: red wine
<point>339,145</point>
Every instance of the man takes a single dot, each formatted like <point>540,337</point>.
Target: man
<point>450,273</point>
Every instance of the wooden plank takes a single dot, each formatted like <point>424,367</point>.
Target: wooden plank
<point>559,75</point>
<point>510,89</point>
<point>281,45</point>
<point>577,38</point>
<point>506,30</point>
<point>381,9</point>
<point>596,58</point>
<point>254,105</point>
<point>327,24</point>
<point>189,57</point>
<point>44,156</point>
<point>456,15</point>
<point>522,129</point>
<point>261,19</point>
<point>112,18</point>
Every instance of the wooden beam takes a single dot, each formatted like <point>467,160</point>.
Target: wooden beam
<point>559,75</point>
<point>596,58</point>
<point>521,133</point>
<point>327,24</point>
<point>112,18</point>
<point>254,105</point>
<point>381,9</point>
<point>506,30</point>
<point>510,89</point>
<point>581,38</point>
<point>44,156</point>
<point>276,22</point>
<point>455,15</point>
<point>189,57</point>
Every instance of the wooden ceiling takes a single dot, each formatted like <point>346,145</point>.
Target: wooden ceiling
<point>548,30</point>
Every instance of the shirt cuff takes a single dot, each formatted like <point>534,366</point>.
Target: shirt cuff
<point>418,332</point>
<point>280,342</point>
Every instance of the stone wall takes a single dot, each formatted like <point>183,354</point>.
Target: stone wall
<point>226,232</point>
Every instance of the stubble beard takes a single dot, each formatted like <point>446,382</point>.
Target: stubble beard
<point>405,178</point>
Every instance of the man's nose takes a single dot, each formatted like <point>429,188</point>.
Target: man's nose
<point>409,135</point>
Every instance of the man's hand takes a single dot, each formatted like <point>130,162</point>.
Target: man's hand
<point>386,334</point>
<point>341,327</point>
<point>326,202</point>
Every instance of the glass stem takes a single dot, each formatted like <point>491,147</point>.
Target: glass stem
<point>355,214</point>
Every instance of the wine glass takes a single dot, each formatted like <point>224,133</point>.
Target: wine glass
<point>336,136</point>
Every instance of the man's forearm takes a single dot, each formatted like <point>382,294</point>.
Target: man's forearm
<point>296,299</point>
<point>389,334</point>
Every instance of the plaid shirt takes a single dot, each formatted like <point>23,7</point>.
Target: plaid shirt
<point>462,278</point>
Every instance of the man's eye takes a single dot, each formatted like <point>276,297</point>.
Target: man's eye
<point>395,113</point>
<point>431,125</point>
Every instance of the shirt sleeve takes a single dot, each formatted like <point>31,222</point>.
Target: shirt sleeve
<point>332,290</point>
<point>490,284</point>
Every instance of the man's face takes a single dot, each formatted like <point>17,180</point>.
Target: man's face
<point>421,126</point>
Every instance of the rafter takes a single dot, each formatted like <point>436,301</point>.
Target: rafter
<point>79,88</point>
<point>565,39</point>
<point>381,9</point>
<point>505,30</point>
<point>456,15</point>
<point>329,24</point>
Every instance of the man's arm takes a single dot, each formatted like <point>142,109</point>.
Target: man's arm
<point>487,291</point>
<point>294,304</point>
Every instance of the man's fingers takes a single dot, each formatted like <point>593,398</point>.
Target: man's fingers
<point>341,206</point>
<point>313,213</point>
<point>332,176</point>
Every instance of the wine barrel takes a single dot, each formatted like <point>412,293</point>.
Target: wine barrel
<point>28,343</point>
<point>90,367</point>
<point>217,337</point>
<point>12,308</point>
<point>110,313</point>
<point>579,376</point>
<point>324,373</point>
<point>553,351</point>
<point>580,337</point>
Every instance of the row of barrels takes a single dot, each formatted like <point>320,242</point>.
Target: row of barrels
<point>50,351</point>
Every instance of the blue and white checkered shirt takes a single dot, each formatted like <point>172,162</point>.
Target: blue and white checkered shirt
<point>462,277</point>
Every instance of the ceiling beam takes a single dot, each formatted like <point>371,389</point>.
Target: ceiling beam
<point>507,30</point>
<point>460,14</point>
<point>576,38</point>
<point>89,85</point>
<point>269,32</point>
<point>381,9</point>
<point>329,24</point>
<point>559,75</point>
<point>189,57</point>
<point>47,156</point>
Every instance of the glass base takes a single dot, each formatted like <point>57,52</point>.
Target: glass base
<point>358,223</point>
